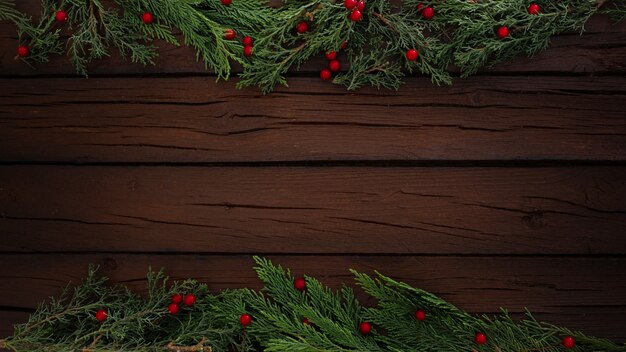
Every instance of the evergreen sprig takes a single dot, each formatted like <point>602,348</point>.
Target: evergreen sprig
<point>461,34</point>
<point>284,319</point>
<point>617,10</point>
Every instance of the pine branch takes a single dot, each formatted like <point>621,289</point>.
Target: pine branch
<point>142,324</point>
<point>617,10</point>
<point>456,33</point>
<point>197,347</point>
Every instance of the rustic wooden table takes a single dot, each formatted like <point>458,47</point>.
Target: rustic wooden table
<point>506,189</point>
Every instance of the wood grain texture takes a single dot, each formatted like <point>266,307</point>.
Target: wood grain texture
<point>578,292</point>
<point>191,119</point>
<point>313,210</point>
<point>600,50</point>
<point>143,166</point>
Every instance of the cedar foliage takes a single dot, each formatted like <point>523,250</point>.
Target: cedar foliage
<point>143,323</point>
<point>461,34</point>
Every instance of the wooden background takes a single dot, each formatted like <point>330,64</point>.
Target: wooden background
<point>506,189</point>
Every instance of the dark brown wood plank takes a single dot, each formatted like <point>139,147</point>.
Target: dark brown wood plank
<point>313,210</point>
<point>582,293</point>
<point>601,49</point>
<point>192,119</point>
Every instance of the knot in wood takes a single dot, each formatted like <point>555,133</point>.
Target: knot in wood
<point>534,220</point>
<point>109,264</point>
<point>475,98</point>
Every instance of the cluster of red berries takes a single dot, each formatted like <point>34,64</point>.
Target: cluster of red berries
<point>356,8</point>
<point>247,41</point>
<point>334,65</point>
<point>428,12</point>
<point>503,31</point>
<point>247,45</point>
<point>177,299</point>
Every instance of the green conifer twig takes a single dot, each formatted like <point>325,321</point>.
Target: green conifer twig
<point>284,319</point>
<point>461,34</point>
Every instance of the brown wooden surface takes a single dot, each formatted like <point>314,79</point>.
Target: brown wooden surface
<point>506,189</point>
<point>314,210</point>
<point>192,119</point>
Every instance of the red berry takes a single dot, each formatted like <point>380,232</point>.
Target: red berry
<point>306,321</point>
<point>419,7</point>
<point>102,315</point>
<point>61,16</point>
<point>226,2</point>
<point>420,315</point>
<point>365,328</point>
<point>331,55</point>
<point>360,5</point>
<point>428,13</point>
<point>334,65</point>
<point>23,51</point>
<point>177,298</point>
<point>325,74</point>
<point>230,34</point>
<point>190,300</point>
<point>247,41</point>
<point>344,45</point>
<point>412,54</point>
<point>245,319</point>
<point>173,308</point>
<point>299,284</point>
<point>503,32</point>
<point>356,15</point>
<point>480,338</point>
<point>534,9</point>
<point>247,50</point>
<point>568,342</point>
<point>350,4</point>
<point>302,27</point>
<point>147,18</point>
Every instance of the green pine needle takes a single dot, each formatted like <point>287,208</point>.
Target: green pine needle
<point>461,35</point>
<point>143,323</point>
